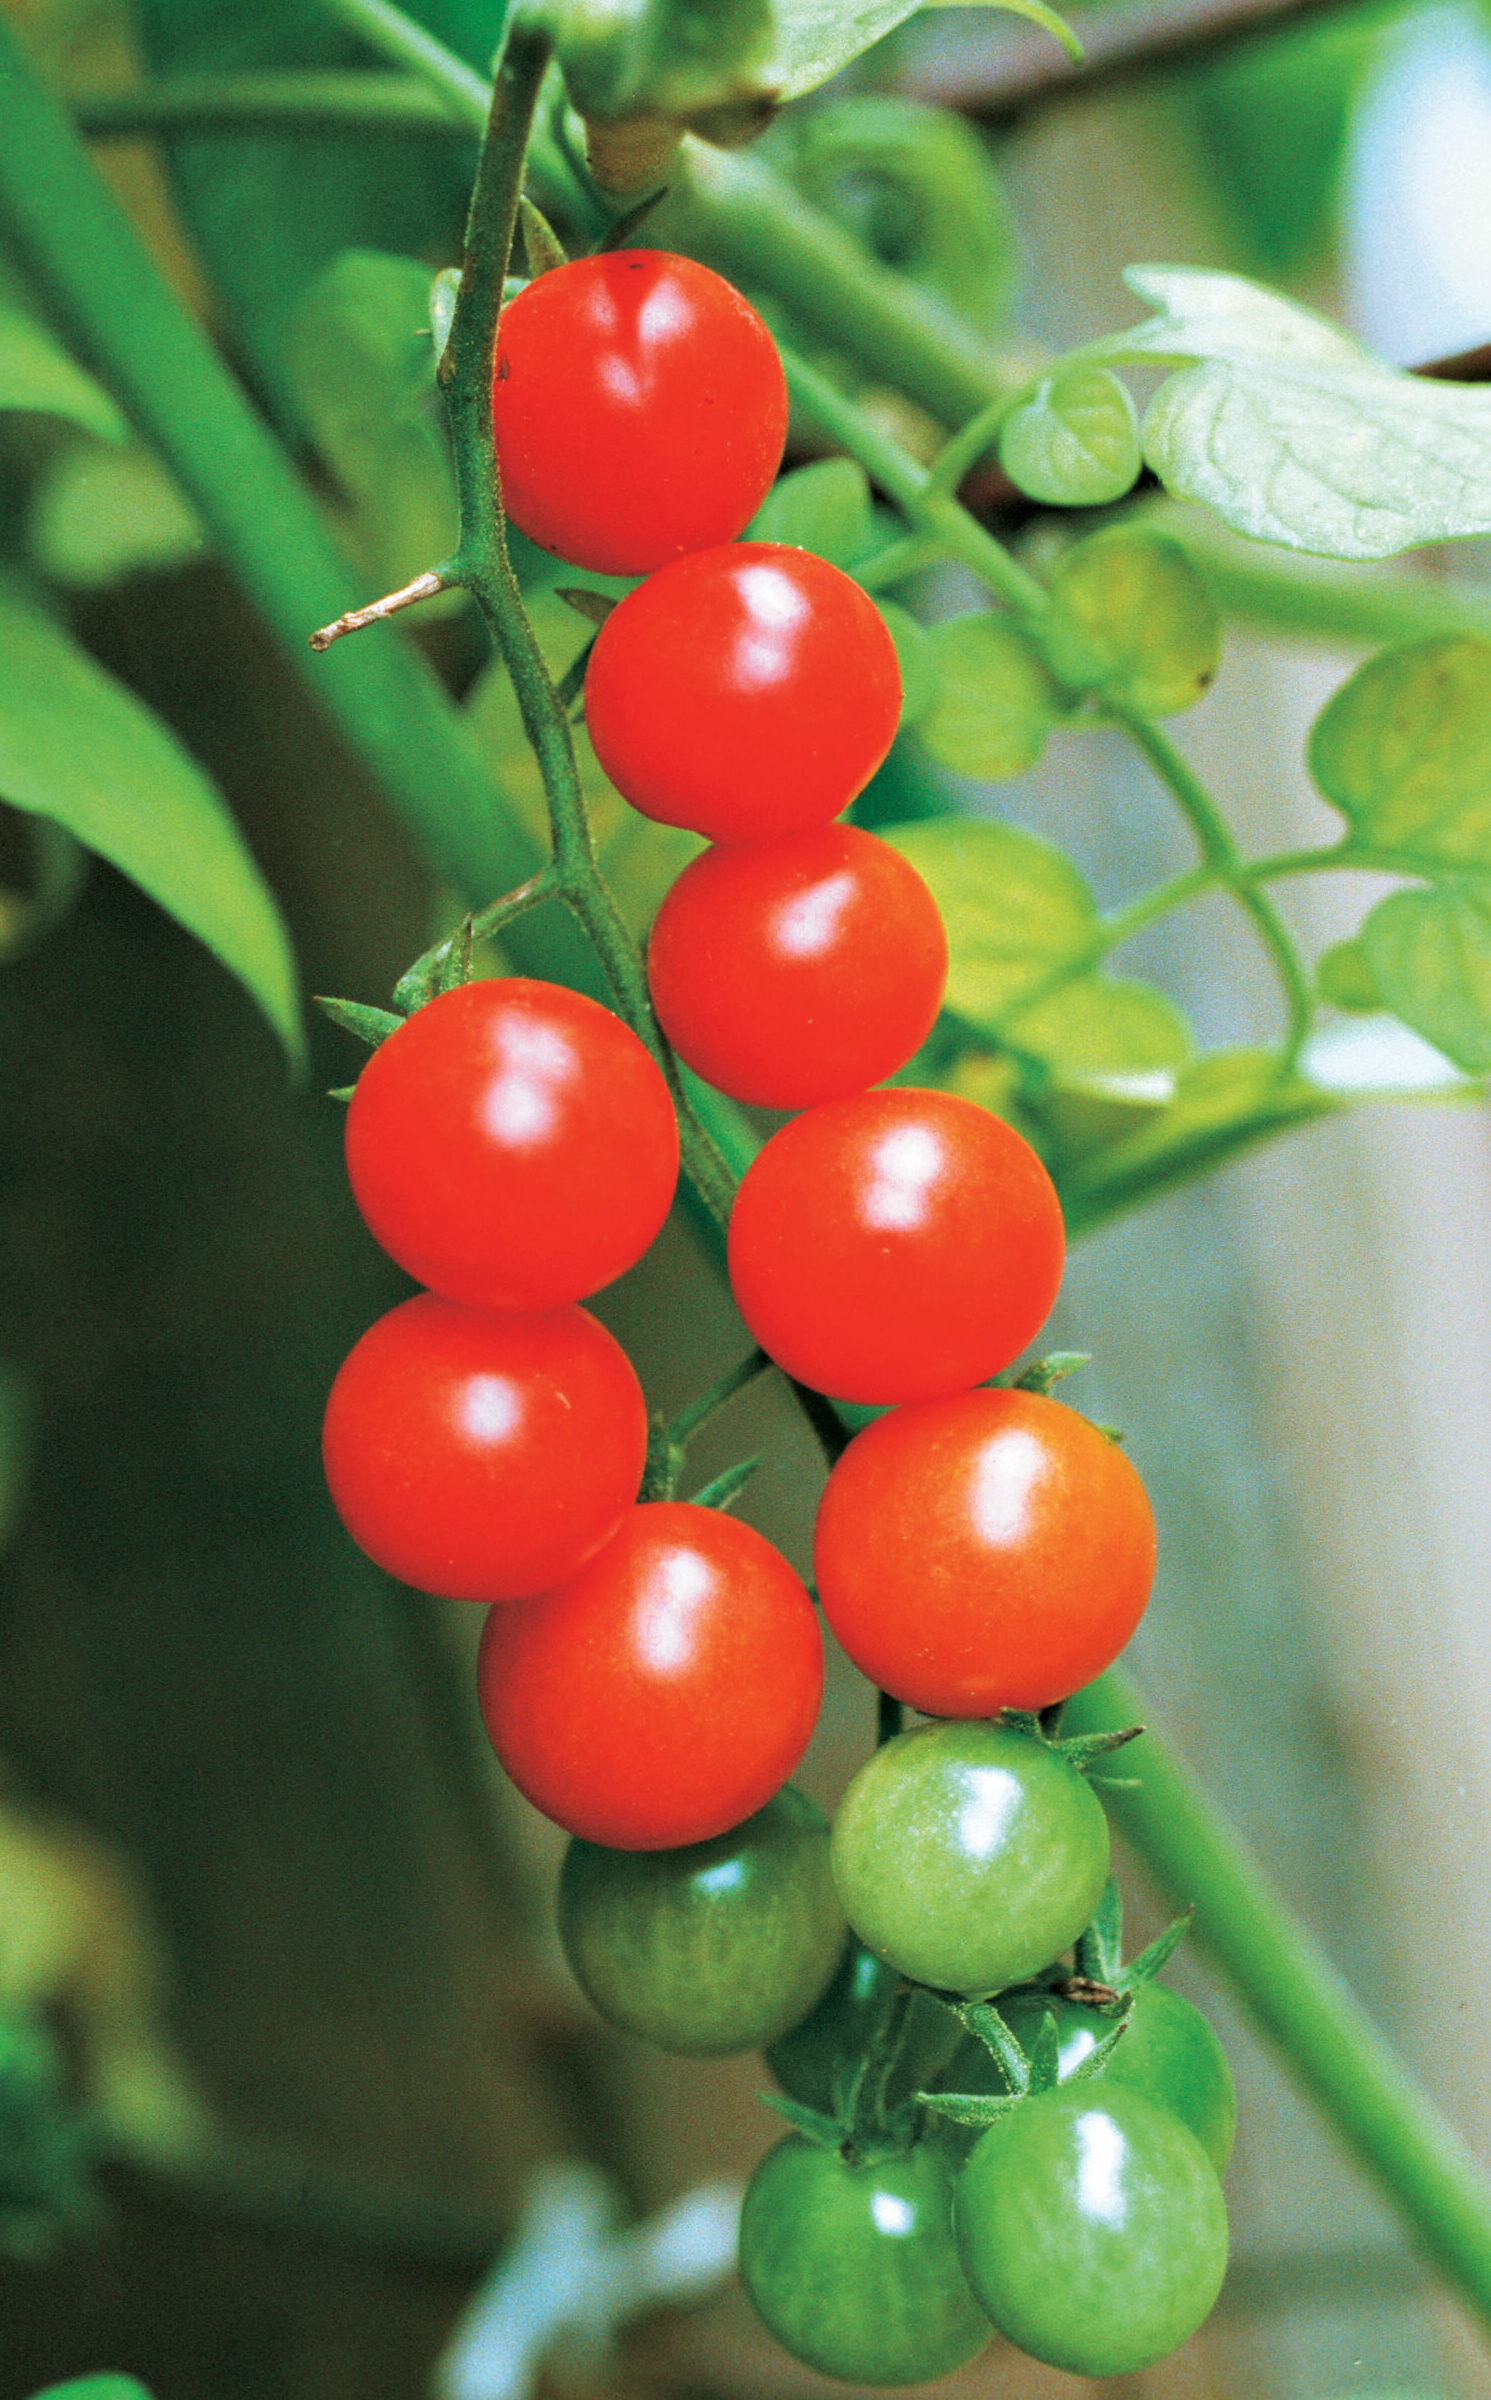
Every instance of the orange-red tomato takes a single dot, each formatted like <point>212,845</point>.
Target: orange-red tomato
<point>666,1691</point>
<point>989,1551</point>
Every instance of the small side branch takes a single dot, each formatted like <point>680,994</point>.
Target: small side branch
<point>424,587</point>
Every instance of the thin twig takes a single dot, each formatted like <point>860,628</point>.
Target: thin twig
<point>424,587</point>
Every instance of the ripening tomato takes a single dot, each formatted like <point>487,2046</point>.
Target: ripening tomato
<point>852,2264</point>
<point>713,1948</point>
<point>639,409</point>
<point>1092,2228</point>
<point>512,1145</point>
<point>482,1455</point>
<point>969,1855</point>
<point>899,1245</point>
<point>989,1551</point>
<point>663,1693</point>
<point>791,971</point>
<point>745,692</point>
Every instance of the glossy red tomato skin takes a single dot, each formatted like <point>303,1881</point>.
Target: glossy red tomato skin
<point>791,971</point>
<point>666,1691</point>
<point>745,692</point>
<point>512,1145</point>
<point>897,1246</point>
<point>993,1550</point>
<point>480,1455</point>
<point>639,408</point>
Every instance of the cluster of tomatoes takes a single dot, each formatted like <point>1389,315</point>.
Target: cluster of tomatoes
<point>650,1672</point>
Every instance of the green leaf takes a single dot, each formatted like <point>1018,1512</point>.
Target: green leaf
<point>916,657</point>
<point>1133,620</point>
<point>1045,2052</point>
<point>1100,1026</point>
<point>100,514</point>
<point>1223,1103</point>
<point>1100,1944</point>
<point>916,187</point>
<point>823,507</point>
<point>661,58</point>
<point>1344,977</point>
<point>361,367</point>
<point>1295,434</point>
<point>36,373</point>
<point>1429,954</point>
<point>76,747</point>
<point>96,2387</point>
<point>370,1025</point>
<point>815,38</point>
<point>1155,1955</point>
<point>1404,751</point>
<point>995,701</point>
<point>1075,444</point>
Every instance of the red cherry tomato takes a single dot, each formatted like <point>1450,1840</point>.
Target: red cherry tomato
<point>985,1552</point>
<point>639,408</point>
<point>797,970</point>
<point>744,692</point>
<point>512,1145</point>
<point>483,1456</point>
<point>897,1246</point>
<point>663,1693</point>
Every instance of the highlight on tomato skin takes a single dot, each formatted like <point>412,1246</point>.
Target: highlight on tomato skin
<point>479,1454</point>
<point>639,409</point>
<point>798,969</point>
<point>989,1550</point>
<point>664,1692</point>
<point>744,691</point>
<point>513,1145</point>
<point>900,1245</point>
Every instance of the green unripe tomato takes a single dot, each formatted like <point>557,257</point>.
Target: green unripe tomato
<point>969,1855</point>
<point>713,1948</point>
<point>1167,2051</point>
<point>853,2267</point>
<point>804,2060</point>
<point>1092,2229</point>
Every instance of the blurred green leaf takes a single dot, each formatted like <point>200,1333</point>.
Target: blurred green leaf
<point>995,702</point>
<point>639,859</point>
<point>1429,954</point>
<point>76,747</point>
<point>361,366</point>
<point>916,186</point>
<point>823,507</point>
<point>59,868</point>
<point>1224,1103</point>
<point>660,58</point>
<point>1344,977</point>
<point>46,2146</point>
<point>37,373</point>
<point>916,656</point>
<point>95,2387</point>
<point>99,515</point>
<point>1133,619</point>
<point>1293,432</point>
<point>1103,1025</point>
<point>1404,751</point>
<point>1075,444</point>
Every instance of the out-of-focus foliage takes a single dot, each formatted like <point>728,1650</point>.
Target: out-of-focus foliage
<point>47,2146</point>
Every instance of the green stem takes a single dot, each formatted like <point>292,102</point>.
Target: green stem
<point>701,1412</point>
<point>1298,1998</point>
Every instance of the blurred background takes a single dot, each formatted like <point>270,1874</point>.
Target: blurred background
<point>284,2031</point>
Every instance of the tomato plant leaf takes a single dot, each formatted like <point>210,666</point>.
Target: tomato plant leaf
<point>37,373</point>
<point>370,1025</point>
<point>1293,432</point>
<point>1404,751</point>
<point>95,2387</point>
<point>995,701</point>
<point>76,747</point>
<point>361,368</point>
<point>1344,977</point>
<point>1133,619</point>
<point>1014,907</point>
<point>1075,442</point>
<point>1429,953</point>
<point>823,507</point>
<point>815,38</point>
<point>100,513</point>
<point>1101,1025</point>
<point>916,658</point>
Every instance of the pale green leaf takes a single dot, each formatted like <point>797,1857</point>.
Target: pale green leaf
<point>1344,977</point>
<point>1430,956</point>
<point>815,38</point>
<point>1295,434</point>
<point>1404,751</point>
<point>360,363</point>
<point>1223,1103</point>
<point>36,373</point>
<point>1133,620</point>
<point>916,657</point>
<point>100,514</point>
<point>824,507</point>
<point>1075,442</point>
<point>1036,12</point>
<point>78,748</point>
<point>96,2387</point>
<point>995,701</point>
<point>1015,909</point>
<point>1100,1026</point>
